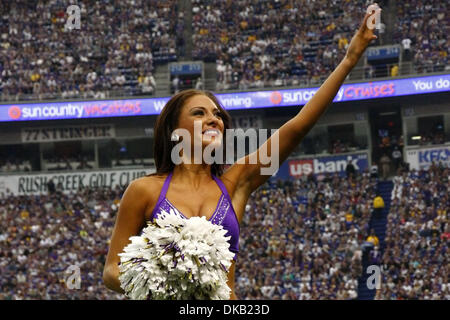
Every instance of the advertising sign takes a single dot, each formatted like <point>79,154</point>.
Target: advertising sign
<point>296,168</point>
<point>70,182</point>
<point>421,159</point>
<point>49,134</point>
<point>230,101</point>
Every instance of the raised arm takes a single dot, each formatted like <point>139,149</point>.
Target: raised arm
<point>292,132</point>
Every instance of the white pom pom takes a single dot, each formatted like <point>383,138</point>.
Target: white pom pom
<point>177,258</point>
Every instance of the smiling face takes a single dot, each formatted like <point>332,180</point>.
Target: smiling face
<point>183,111</point>
<point>201,111</point>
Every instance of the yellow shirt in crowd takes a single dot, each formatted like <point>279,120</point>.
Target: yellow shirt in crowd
<point>378,202</point>
<point>343,42</point>
<point>349,217</point>
<point>331,27</point>
<point>24,214</point>
<point>373,239</point>
<point>394,71</point>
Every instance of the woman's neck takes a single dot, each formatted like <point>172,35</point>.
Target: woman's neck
<point>193,175</point>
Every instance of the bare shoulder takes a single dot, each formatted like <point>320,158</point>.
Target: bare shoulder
<point>147,189</point>
<point>149,182</point>
<point>147,185</point>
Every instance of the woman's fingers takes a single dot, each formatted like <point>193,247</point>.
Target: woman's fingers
<point>363,26</point>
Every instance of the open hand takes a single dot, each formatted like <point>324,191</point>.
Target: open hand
<point>361,40</point>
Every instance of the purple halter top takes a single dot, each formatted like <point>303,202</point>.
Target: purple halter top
<point>223,215</point>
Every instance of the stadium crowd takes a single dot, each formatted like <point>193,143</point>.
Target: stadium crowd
<point>61,163</point>
<point>42,236</point>
<point>268,43</point>
<point>273,43</point>
<point>421,28</point>
<point>415,262</point>
<point>14,165</point>
<point>304,239</point>
<point>301,239</point>
<point>428,138</point>
<point>121,42</point>
<point>317,145</point>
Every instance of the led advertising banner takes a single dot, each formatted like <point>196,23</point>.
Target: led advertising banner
<point>230,101</point>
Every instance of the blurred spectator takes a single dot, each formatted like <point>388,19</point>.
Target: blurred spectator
<point>350,169</point>
<point>375,256</point>
<point>385,163</point>
<point>381,31</point>
<point>374,170</point>
<point>378,206</point>
<point>199,84</point>
<point>396,157</point>
<point>51,187</point>
<point>369,71</point>
<point>147,83</point>
<point>372,238</point>
<point>176,85</point>
<point>394,71</point>
<point>84,164</point>
<point>406,43</point>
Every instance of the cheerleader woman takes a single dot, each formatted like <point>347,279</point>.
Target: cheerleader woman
<point>204,189</point>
